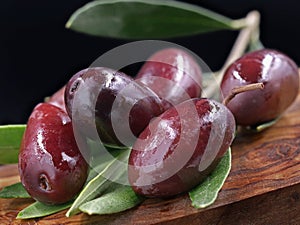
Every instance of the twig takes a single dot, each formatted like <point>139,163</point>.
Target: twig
<point>241,89</point>
<point>246,35</point>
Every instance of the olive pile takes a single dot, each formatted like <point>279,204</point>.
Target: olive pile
<point>178,137</point>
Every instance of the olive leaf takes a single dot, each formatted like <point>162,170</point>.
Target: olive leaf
<point>206,193</point>
<point>10,140</point>
<point>115,200</point>
<point>38,209</point>
<point>100,157</point>
<point>115,170</point>
<point>137,19</point>
<point>93,172</point>
<point>14,191</point>
<point>117,197</point>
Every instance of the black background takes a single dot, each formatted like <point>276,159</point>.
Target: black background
<point>38,55</point>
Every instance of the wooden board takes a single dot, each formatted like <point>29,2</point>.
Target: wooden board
<point>263,187</point>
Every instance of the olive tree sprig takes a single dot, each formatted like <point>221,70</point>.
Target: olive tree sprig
<point>192,20</point>
<point>249,35</point>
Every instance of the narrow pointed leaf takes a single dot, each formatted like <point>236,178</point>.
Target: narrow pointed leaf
<point>100,183</point>
<point>207,192</point>
<point>39,209</point>
<point>10,140</point>
<point>135,19</point>
<point>117,200</point>
<point>99,159</point>
<point>14,191</point>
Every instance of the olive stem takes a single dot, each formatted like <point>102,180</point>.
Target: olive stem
<point>246,35</point>
<point>241,89</point>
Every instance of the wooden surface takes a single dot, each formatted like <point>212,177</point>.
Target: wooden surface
<point>263,187</point>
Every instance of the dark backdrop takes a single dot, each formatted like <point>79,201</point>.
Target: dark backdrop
<point>38,55</point>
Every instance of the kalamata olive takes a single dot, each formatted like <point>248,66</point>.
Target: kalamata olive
<point>58,99</point>
<point>71,87</point>
<point>280,77</point>
<point>122,108</point>
<point>51,167</point>
<point>180,148</point>
<point>173,74</point>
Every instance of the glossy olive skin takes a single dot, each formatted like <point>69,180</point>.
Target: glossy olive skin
<point>71,88</point>
<point>280,77</point>
<point>176,65</point>
<point>51,167</point>
<point>175,159</point>
<point>115,92</point>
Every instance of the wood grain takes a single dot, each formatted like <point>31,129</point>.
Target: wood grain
<point>263,187</point>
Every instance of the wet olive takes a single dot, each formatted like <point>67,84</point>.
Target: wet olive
<point>173,74</point>
<point>180,148</point>
<point>51,167</point>
<point>280,77</point>
<point>120,107</point>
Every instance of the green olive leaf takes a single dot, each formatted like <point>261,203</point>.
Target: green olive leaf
<point>38,209</point>
<point>138,19</point>
<point>206,193</point>
<point>113,147</point>
<point>116,200</point>
<point>14,191</point>
<point>10,140</point>
<point>93,172</point>
<point>100,157</point>
<point>114,171</point>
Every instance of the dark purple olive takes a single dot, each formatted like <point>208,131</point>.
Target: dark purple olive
<point>51,167</point>
<point>71,88</point>
<point>280,77</point>
<point>173,74</point>
<point>180,148</point>
<point>120,107</point>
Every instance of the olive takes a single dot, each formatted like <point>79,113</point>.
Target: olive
<point>71,87</point>
<point>180,148</point>
<point>51,167</point>
<point>279,75</point>
<point>119,107</point>
<point>173,74</point>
